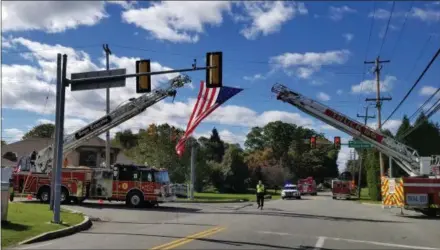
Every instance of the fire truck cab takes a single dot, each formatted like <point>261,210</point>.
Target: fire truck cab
<point>344,187</point>
<point>307,186</point>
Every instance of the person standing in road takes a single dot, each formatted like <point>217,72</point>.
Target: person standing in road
<point>260,194</point>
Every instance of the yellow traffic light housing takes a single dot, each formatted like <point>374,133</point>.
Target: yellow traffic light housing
<point>313,142</point>
<point>214,76</point>
<point>337,142</point>
<point>143,83</point>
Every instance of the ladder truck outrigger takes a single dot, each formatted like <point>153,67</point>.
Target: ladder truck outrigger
<point>419,192</point>
<point>133,184</point>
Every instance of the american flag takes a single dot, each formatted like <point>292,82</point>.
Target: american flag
<point>207,101</point>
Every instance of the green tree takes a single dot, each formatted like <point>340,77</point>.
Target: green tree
<point>126,139</point>
<point>3,143</point>
<point>215,147</point>
<point>41,131</point>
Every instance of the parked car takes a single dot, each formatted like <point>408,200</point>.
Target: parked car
<point>290,191</point>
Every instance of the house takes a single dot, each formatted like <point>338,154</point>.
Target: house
<point>91,153</point>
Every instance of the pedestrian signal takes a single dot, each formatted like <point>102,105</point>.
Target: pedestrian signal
<point>143,83</point>
<point>337,142</point>
<point>214,77</point>
<point>313,142</point>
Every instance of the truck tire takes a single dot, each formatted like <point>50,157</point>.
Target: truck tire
<point>44,194</point>
<point>135,199</point>
<point>64,196</point>
<point>429,212</point>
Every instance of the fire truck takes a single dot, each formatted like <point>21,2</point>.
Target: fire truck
<point>307,186</point>
<point>133,184</point>
<point>344,187</point>
<point>420,191</point>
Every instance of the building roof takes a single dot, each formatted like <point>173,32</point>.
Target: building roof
<point>25,147</point>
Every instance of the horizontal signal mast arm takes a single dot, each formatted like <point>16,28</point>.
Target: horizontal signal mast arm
<point>406,157</point>
<point>121,114</point>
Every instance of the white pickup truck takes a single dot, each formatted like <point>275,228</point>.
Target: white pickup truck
<point>290,191</point>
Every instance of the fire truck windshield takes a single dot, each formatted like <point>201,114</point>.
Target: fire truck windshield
<point>162,177</point>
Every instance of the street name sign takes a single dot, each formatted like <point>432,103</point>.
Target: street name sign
<point>94,84</point>
<point>359,144</point>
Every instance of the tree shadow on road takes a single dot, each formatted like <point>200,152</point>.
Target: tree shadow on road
<point>306,216</point>
<point>226,242</point>
<point>150,223</point>
<point>167,208</point>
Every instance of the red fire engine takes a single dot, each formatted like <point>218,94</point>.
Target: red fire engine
<point>307,186</point>
<point>133,184</point>
<point>420,190</point>
<point>344,187</point>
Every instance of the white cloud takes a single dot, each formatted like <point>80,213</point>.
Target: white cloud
<point>304,65</point>
<point>337,13</point>
<point>327,127</point>
<point>424,15</point>
<point>12,134</point>
<point>391,125</point>
<point>124,4</point>
<point>428,91</point>
<point>177,21</point>
<point>267,17</point>
<point>254,77</point>
<point>348,37</point>
<point>369,86</point>
<point>323,96</point>
<point>52,16</point>
<point>339,92</point>
<point>343,157</point>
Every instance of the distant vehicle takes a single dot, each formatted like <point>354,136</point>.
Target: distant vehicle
<point>290,191</point>
<point>307,186</point>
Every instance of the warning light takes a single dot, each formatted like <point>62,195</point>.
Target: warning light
<point>313,142</point>
<point>143,83</point>
<point>337,142</point>
<point>214,77</point>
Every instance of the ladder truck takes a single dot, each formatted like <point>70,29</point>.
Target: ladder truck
<point>419,192</point>
<point>33,173</point>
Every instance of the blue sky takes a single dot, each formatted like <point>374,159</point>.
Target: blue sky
<point>315,48</point>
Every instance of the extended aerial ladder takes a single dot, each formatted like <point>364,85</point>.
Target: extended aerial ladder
<point>407,158</point>
<point>44,158</point>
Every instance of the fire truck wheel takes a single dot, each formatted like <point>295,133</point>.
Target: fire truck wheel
<point>135,199</point>
<point>64,196</point>
<point>44,194</point>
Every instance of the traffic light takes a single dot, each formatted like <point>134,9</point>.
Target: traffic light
<point>214,77</point>
<point>143,83</point>
<point>313,142</point>
<point>337,142</point>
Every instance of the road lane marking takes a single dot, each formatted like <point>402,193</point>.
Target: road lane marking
<point>320,243</point>
<point>384,244</point>
<point>351,240</point>
<point>187,239</point>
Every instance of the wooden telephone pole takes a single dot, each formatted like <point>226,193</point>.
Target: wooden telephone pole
<point>366,117</point>
<point>378,100</point>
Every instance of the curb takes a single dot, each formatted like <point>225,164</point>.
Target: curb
<point>84,225</point>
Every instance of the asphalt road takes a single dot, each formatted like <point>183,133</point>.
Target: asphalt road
<point>311,223</point>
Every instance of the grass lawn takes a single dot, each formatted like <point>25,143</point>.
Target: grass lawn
<point>28,220</point>
<point>218,197</point>
<point>365,198</point>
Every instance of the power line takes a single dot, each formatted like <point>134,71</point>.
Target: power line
<point>366,52</point>
<point>387,27</point>
<point>424,104</point>
<point>401,30</point>
<point>414,85</point>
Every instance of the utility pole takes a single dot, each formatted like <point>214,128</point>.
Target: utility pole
<point>378,100</point>
<point>366,117</point>
<point>193,168</point>
<point>107,100</point>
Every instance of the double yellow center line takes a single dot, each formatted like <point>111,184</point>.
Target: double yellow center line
<point>187,239</point>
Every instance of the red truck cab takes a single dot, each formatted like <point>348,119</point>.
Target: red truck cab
<point>307,186</point>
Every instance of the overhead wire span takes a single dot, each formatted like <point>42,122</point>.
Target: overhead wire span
<point>387,27</point>
<point>424,104</point>
<point>414,85</point>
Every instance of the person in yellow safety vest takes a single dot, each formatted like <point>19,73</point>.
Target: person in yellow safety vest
<point>260,194</point>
